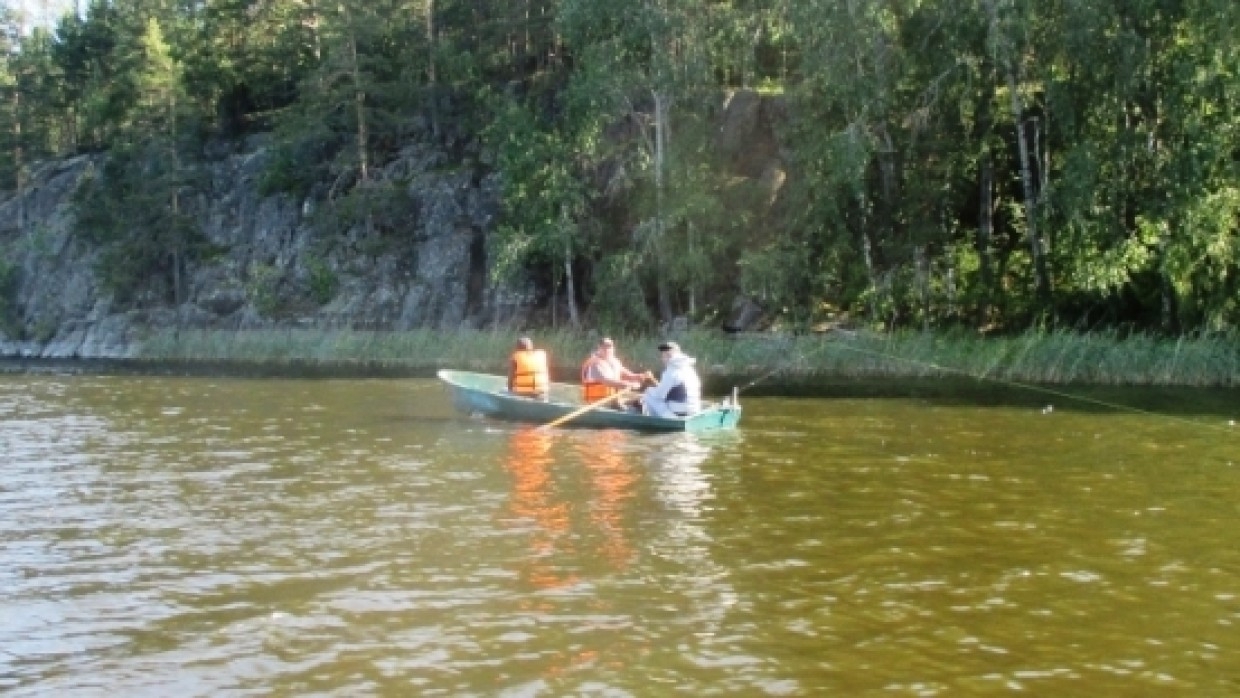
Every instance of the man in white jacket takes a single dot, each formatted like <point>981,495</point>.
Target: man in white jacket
<point>679,392</point>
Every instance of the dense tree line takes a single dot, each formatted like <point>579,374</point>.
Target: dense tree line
<point>994,164</point>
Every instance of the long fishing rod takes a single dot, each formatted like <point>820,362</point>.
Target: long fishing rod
<point>802,356</point>
<point>782,366</point>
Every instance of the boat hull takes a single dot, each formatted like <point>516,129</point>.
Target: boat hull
<point>481,393</point>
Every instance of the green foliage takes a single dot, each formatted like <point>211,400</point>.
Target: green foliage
<point>300,159</point>
<point>619,303</point>
<point>544,194</point>
<point>908,200</point>
<point>1201,258</point>
<point>323,281</point>
<point>243,60</point>
<point>44,330</point>
<point>362,96</point>
<point>383,212</point>
<point>775,275</point>
<point>129,208</point>
<point>9,321</point>
<point>263,290</point>
<point>37,242</point>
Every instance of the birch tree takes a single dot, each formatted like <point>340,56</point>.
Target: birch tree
<point>643,61</point>
<point>1006,43</point>
<point>10,105</point>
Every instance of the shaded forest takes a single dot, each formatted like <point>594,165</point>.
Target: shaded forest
<point>995,165</point>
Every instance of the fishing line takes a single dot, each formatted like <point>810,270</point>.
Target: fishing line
<point>1001,381</point>
<point>783,366</point>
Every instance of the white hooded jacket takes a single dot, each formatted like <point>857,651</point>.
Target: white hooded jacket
<point>679,391</point>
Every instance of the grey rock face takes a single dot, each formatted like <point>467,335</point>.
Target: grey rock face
<point>428,263</point>
<point>270,267</point>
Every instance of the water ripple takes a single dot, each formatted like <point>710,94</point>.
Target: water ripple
<point>201,537</point>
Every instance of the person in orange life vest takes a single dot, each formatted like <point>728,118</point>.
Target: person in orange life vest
<point>603,374</point>
<point>528,374</point>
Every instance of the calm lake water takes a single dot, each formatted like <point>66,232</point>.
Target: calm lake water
<point>165,536</point>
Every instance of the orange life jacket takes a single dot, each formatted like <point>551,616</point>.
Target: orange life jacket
<point>530,375</point>
<point>593,390</point>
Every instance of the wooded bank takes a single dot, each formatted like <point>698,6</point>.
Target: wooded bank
<point>998,165</point>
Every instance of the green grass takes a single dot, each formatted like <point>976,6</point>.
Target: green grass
<point>417,350</point>
<point>1045,358</point>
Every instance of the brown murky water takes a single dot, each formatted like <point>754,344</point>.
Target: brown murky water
<point>211,536</point>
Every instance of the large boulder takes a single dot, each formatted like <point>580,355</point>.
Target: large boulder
<point>746,138</point>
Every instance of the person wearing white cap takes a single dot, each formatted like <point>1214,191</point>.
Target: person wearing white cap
<point>679,392</point>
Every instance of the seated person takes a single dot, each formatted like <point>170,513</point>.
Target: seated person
<point>528,374</point>
<point>604,375</point>
<point>679,392</point>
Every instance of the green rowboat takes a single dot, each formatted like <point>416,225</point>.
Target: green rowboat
<point>486,394</point>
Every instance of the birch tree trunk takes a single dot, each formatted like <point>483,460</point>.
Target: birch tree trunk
<point>921,273</point>
<point>867,251</point>
<point>1041,276</point>
<point>692,279</point>
<point>19,160</point>
<point>359,100</point>
<point>178,242</point>
<point>1166,291</point>
<point>985,233</point>
<point>312,21</point>
<point>431,67</point>
<point>660,162</point>
<point>570,288</point>
<point>1042,287</point>
<point>890,188</point>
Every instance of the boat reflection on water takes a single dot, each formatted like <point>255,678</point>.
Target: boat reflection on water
<point>675,469</point>
<point>617,527</point>
<point>682,480</point>
<point>612,480</point>
<point>574,492</point>
<point>534,499</point>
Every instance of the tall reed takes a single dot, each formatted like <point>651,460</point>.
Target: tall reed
<point>1054,357</point>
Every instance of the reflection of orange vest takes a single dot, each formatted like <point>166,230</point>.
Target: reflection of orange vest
<point>592,390</point>
<point>614,480</point>
<point>529,372</point>
<point>534,499</point>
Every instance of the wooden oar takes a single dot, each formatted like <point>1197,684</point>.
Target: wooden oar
<point>582,410</point>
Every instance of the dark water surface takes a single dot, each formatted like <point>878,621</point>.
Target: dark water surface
<point>212,536</point>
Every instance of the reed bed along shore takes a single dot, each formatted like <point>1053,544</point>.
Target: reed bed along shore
<point>1044,358</point>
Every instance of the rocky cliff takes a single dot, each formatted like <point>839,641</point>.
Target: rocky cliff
<point>269,255</point>
<point>272,268</point>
